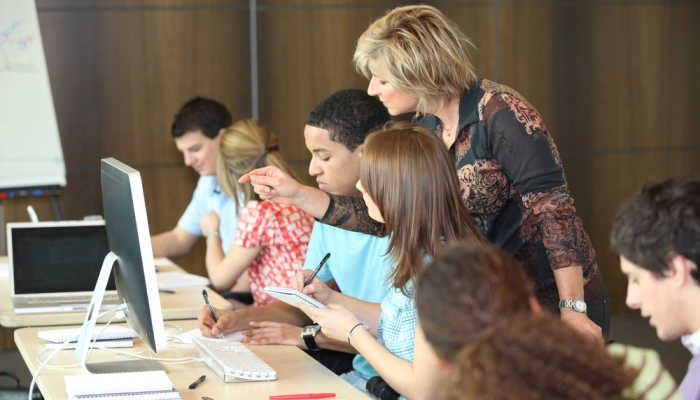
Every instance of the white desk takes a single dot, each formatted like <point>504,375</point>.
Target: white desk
<point>296,371</point>
<point>185,303</point>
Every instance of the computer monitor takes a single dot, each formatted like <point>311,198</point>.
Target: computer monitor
<point>132,256</point>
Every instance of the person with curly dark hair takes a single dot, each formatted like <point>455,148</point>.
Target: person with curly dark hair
<point>468,290</point>
<point>529,356</point>
<point>656,234</point>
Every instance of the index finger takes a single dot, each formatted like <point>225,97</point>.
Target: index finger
<point>264,171</point>
<point>298,281</point>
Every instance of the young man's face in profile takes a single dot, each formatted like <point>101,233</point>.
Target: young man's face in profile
<point>335,168</point>
<point>655,298</point>
<point>199,151</point>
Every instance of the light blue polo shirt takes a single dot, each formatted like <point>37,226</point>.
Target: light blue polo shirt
<point>208,196</point>
<point>358,264</point>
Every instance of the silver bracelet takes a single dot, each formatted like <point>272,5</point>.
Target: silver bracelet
<point>353,328</point>
<point>212,234</point>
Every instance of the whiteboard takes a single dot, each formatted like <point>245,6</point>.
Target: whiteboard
<point>30,147</point>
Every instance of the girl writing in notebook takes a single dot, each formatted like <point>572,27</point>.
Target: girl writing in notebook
<point>271,238</point>
<point>409,183</point>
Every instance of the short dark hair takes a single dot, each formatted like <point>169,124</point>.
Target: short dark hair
<point>349,115</point>
<point>203,114</point>
<point>660,221</point>
<point>466,291</point>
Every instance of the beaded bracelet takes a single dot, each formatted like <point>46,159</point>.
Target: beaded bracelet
<point>352,329</point>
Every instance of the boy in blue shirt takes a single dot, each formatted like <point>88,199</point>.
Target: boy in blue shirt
<point>358,265</point>
<point>196,129</point>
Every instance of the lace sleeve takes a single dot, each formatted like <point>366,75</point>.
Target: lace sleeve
<point>350,212</point>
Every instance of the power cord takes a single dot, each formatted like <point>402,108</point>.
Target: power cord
<point>63,345</point>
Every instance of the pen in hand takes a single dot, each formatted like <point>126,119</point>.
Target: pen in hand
<point>211,309</point>
<point>313,274</point>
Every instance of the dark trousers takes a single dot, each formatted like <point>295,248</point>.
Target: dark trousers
<point>337,361</point>
<point>598,310</point>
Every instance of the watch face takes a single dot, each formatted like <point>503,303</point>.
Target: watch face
<point>580,306</point>
<point>311,330</point>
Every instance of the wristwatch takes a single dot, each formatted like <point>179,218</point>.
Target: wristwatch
<point>577,305</point>
<point>309,335</point>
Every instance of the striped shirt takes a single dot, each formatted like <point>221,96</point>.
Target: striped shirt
<point>653,380</point>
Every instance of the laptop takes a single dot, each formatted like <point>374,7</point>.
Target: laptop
<point>53,266</point>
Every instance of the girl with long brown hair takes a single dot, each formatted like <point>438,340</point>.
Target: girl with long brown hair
<point>409,183</point>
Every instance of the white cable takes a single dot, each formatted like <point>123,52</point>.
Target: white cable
<point>59,348</point>
<point>74,337</point>
<point>179,360</point>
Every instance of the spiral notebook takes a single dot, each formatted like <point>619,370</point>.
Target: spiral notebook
<point>146,385</point>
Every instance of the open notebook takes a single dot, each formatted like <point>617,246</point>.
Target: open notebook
<point>151,385</point>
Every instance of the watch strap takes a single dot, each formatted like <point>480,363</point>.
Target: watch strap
<point>310,338</point>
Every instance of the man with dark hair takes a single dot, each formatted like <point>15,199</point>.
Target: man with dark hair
<point>196,129</point>
<point>334,132</point>
<point>657,234</point>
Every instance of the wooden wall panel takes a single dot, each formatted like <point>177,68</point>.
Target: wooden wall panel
<point>119,71</point>
<point>305,54</point>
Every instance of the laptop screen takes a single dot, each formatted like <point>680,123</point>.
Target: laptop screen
<point>58,259</point>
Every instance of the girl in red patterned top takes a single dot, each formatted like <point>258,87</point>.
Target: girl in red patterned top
<point>271,238</point>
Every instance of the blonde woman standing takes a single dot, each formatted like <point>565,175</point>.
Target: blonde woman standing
<point>510,173</point>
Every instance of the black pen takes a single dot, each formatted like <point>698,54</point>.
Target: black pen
<point>206,301</point>
<point>313,274</point>
<point>168,291</point>
<point>197,382</point>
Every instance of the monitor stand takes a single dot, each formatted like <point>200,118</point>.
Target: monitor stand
<point>91,315</point>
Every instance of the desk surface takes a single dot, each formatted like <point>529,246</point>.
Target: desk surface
<point>296,371</point>
<point>185,303</point>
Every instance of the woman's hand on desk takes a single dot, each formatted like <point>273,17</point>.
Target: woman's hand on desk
<point>266,332</point>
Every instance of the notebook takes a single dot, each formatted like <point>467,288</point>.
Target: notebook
<point>292,296</point>
<point>153,385</point>
<point>53,266</point>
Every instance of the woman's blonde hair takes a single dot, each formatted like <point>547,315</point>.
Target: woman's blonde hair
<point>410,176</point>
<point>422,52</point>
<point>243,147</point>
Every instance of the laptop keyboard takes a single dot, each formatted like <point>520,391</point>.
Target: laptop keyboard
<point>99,333</point>
<point>233,362</point>
<point>62,308</point>
<point>68,300</point>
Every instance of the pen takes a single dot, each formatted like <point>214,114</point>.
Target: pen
<point>206,301</point>
<point>313,274</point>
<point>197,382</point>
<point>302,396</point>
<point>168,291</point>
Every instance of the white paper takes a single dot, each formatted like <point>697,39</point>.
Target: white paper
<point>174,280</point>
<point>122,382</point>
